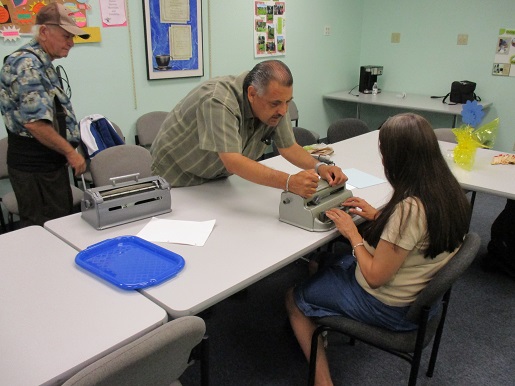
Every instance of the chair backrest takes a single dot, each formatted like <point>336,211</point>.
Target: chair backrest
<point>157,358</point>
<point>3,175</point>
<point>303,137</point>
<point>147,127</point>
<point>346,128</point>
<point>118,131</point>
<point>445,135</point>
<point>120,161</point>
<point>446,276</point>
<point>294,112</point>
<point>3,158</point>
<point>98,133</point>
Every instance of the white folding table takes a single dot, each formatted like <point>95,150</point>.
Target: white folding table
<point>248,241</point>
<point>498,180</point>
<point>55,319</point>
<point>401,101</point>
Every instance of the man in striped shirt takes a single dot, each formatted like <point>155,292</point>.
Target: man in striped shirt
<point>225,124</point>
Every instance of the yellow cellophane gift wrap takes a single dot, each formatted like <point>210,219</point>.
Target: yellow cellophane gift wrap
<point>469,140</point>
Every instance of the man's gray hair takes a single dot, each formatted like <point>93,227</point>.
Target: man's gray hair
<point>35,30</point>
<point>262,73</point>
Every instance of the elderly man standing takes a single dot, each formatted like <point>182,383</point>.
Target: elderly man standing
<point>41,125</point>
<point>225,124</point>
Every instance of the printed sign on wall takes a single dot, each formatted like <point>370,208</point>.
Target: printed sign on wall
<point>504,61</point>
<point>269,28</point>
<point>173,31</point>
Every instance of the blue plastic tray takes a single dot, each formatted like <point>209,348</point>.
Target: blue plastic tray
<point>129,262</point>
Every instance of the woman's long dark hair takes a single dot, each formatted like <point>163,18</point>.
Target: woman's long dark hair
<point>415,167</point>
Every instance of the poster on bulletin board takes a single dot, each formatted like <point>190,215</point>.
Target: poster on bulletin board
<point>504,61</point>
<point>17,17</point>
<point>173,38</point>
<point>269,28</point>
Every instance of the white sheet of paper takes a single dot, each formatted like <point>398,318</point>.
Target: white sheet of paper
<point>177,232</point>
<point>113,12</point>
<point>361,179</point>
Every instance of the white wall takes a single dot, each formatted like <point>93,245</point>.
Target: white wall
<point>427,59</point>
<point>102,79</point>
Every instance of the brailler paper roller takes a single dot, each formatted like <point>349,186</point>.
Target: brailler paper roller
<point>120,203</point>
<point>309,213</point>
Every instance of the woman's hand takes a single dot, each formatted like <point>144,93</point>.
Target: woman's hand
<point>345,225</point>
<point>361,208</point>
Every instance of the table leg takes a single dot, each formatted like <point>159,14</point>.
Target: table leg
<point>358,110</point>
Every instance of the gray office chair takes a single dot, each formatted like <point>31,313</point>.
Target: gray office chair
<point>294,112</point>
<point>158,358</point>
<point>407,345</point>
<point>4,175</point>
<point>147,127</point>
<point>120,161</point>
<point>9,199</point>
<point>303,137</point>
<point>11,204</point>
<point>446,135</point>
<point>118,130</point>
<point>86,177</point>
<point>301,133</point>
<point>346,128</point>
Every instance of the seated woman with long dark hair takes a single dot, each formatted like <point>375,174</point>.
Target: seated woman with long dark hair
<point>401,247</point>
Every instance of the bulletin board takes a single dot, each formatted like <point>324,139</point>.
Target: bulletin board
<point>269,28</point>
<point>18,16</point>
<point>173,38</point>
<point>504,61</point>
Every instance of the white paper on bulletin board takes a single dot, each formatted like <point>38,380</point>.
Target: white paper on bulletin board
<point>269,28</point>
<point>113,13</point>
<point>504,61</point>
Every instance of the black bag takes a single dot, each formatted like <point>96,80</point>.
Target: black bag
<point>461,92</point>
<point>501,248</point>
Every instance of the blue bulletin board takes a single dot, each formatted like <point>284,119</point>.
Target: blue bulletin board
<point>173,38</point>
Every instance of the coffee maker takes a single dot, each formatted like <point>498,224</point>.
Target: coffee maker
<point>367,78</point>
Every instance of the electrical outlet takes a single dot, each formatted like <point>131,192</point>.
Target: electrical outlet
<point>327,30</point>
<point>463,39</point>
<point>396,37</point>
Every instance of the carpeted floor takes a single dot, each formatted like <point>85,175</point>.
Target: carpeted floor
<point>251,342</point>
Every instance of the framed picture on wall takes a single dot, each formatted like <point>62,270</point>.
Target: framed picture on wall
<point>173,38</point>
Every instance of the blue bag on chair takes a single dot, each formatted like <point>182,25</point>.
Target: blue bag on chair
<point>97,134</point>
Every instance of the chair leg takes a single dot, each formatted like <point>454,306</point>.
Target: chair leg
<point>10,218</point>
<point>415,365</point>
<point>438,335</point>
<point>204,361</point>
<point>419,346</point>
<point>472,200</point>
<point>313,354</point>
<point>2,221</point>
